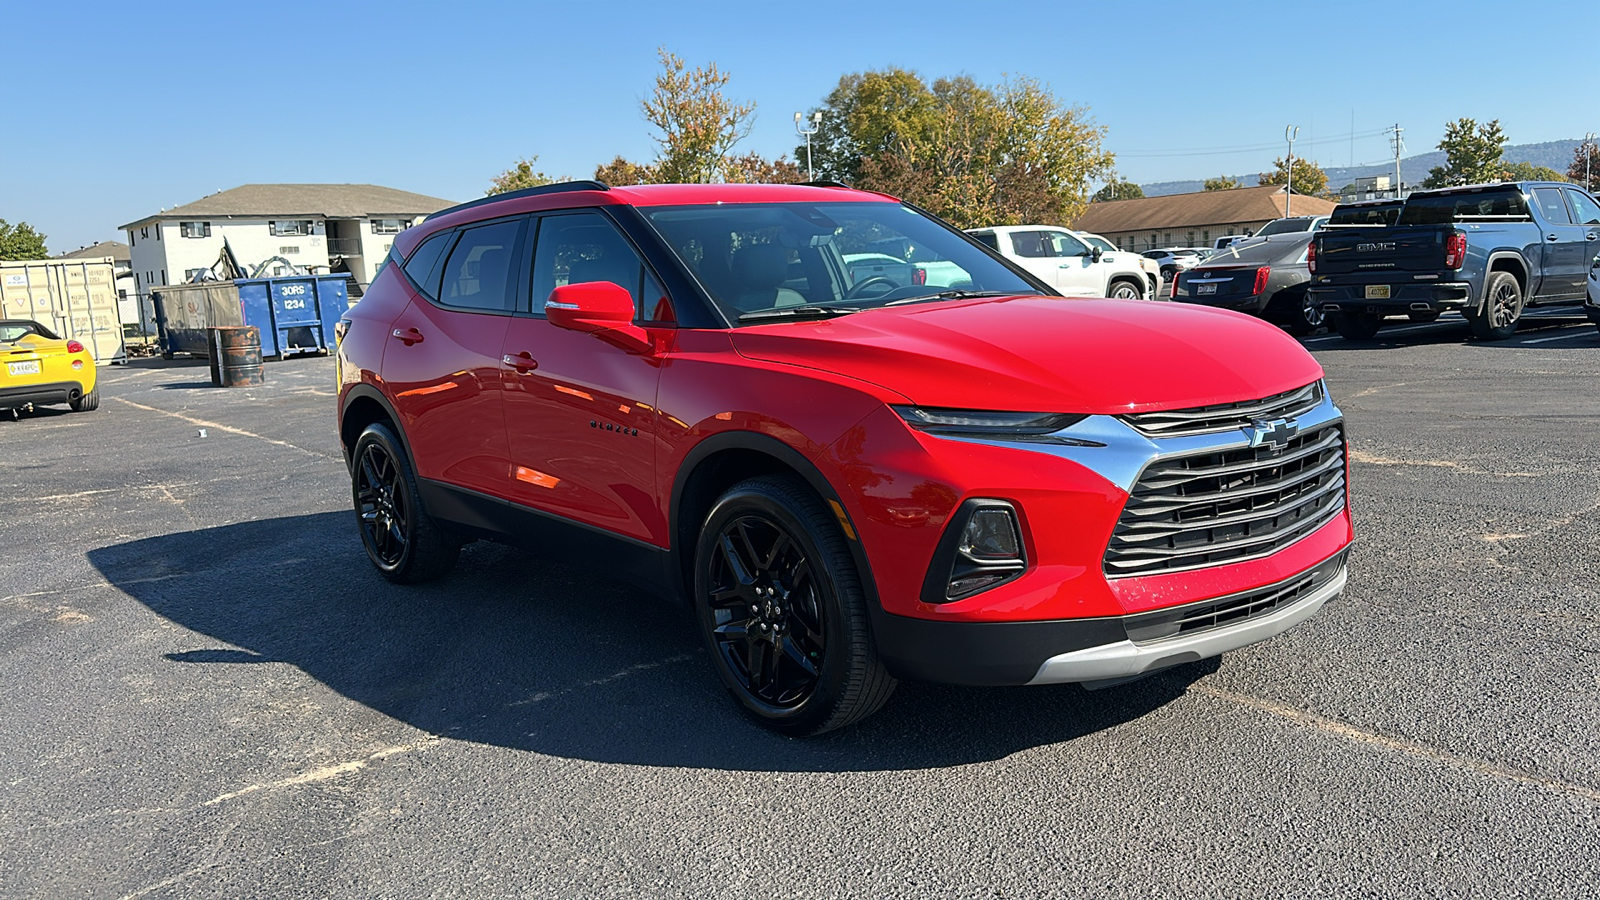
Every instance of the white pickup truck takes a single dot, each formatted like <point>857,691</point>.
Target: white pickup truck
<point>1064,261</point>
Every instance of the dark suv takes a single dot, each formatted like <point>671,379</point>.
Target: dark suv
<point>847,477</point>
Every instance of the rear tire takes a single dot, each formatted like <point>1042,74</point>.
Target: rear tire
<point>783,612</point>
<point>1502,307</point>
<point>87,402</point>
<point>1307,316</point>
<point>404,543</point>
<point>1431,315</point>
<point>1123,289</point>
<point>1362,326</point>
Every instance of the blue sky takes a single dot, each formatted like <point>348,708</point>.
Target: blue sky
<point>117,109</point>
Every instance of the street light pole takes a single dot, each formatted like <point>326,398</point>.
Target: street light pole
<point>816,122</point>
<point>1290,132</point>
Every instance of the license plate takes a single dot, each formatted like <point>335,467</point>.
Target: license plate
<point>31,367</point>
<point>1377,292</point>
<point>1205,289</point>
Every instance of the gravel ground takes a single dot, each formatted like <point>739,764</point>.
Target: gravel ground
<point>209,693</point>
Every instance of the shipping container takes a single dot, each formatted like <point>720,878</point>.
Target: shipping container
<point>75,298</point>
<point>295,313</point>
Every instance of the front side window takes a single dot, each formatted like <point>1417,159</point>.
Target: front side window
<point>478,273</point>
<point>194,229</point>
<point>1063,244</point>
<point>585,247</point>
<point>1551,205</point>
<point>757,260</point>
<point>1587,212</point>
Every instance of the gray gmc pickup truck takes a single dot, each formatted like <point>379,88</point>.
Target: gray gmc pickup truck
<point>1488,251</point>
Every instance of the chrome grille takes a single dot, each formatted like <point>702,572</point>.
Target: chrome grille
<point>1213,508</point>
<point>1226,416</point>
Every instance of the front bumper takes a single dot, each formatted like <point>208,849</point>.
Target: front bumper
<point>1403,298</point>
<point>1107,648</point>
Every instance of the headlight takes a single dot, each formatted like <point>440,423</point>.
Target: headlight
<point>985,423</point>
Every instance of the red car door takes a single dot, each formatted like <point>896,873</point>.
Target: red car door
<point>443,362</point>
<point>580,413</point>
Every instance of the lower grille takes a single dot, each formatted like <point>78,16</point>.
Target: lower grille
<point>1220,507</point>
<point>1210,614</point>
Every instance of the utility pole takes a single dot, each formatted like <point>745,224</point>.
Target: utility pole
<point>1399,145</point>
<point>1588,154</point>
<point>1290,132</point>
<point>816,122</point>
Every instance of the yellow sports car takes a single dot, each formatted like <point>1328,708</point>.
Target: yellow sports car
<point>41,368</point>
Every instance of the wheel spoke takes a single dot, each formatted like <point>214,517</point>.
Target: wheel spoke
<point>369,472</point>
<point>749,555</point>
<point>779,545</point>
<point>736,564</point>
<point>799,657</point>
<point>758,674</point>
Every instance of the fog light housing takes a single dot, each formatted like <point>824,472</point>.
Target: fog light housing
<point>981,549</point>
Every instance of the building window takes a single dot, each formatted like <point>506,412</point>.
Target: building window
<point>194,229</point>
<point>144,232</point>
<point>189,274</point>
<point>285,251</point>
<point>291,228</point>
<point>1205,236</point>
<point>390,226</point>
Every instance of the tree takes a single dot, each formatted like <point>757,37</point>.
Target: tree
<point>20,241</point>
<point>1117,189</point>
<point>518,177</point>
<point>753,168</point>
<point>620,172</point>
<point>1585,168</point>
<point>1223,183</point>
<point>1472,154</point>
<point>1527,171</point>
<point>973,154</point>
<point>1308,176</point>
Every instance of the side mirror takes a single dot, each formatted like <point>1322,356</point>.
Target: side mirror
<point>1096,252</point>
<point>600,308</point>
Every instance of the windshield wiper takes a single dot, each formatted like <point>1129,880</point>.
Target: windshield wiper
<point>958,295</point>
<point>798,312</point>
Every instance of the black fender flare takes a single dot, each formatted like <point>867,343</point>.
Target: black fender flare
<point>783,453</point>
<point>366,391</point>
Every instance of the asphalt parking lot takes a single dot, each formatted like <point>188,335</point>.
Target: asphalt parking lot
<point>209,693</point>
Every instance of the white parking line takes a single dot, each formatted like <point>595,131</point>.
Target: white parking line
<point>1558,337</point>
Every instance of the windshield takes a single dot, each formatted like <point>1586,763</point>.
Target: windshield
<point>16,331</point>
<point>1385,214</point>
<point>1095,240</point>
<point>1443,209</point>
<point>826,258</point>
<point>1284,226</point>
<point>1259,251</point>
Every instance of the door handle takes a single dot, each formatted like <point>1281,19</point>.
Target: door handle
<point>522,362</point>
<point>407,336</point>
<point>1592,236</point>
<point>1552,237</point>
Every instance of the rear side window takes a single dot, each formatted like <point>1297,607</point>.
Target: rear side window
<point>424,262</point>
<point>1442,209</point>
<point>478,273</point>
<point>988,240</point>
<point>1588,211</point>
<point>1031,244</point>
<point>585,247</point>
<point>1551,205</point>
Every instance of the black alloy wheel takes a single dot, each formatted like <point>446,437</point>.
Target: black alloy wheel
<point>782,609</point>
<point>402,541</point>
<point>1307,315</point>
<point>1502,307</point>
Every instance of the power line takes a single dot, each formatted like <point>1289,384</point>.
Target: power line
<point>1247,148</point>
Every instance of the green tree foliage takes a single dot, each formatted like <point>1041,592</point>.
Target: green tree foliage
<point>1588,177</point>
<point>753,168</point>
<point>973,154</point>
<point>1527,171</point>
<point>1308,176</point>
<point>20,241</point>
<point>518,177</point>
<point>620,172</point>
<point>1472,154</point>
<point>1221,183</point>
<point>1117,190</point>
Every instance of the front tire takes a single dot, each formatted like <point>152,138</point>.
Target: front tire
<point>87,402</point>
<point>783,611</point>
<point>1502,308</point>
<point>402,540</point>
<point>1361,326</point>
<point>1123,289</point>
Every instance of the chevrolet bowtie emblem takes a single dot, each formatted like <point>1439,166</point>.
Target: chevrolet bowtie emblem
<point>1274,433</point>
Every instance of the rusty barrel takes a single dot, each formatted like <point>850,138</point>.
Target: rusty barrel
<point>236,354</point>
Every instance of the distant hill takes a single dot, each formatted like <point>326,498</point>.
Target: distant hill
<point>1552,154</point>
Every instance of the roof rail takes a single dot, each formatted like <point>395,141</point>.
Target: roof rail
<point>558,188</point>
<point>823,183</point>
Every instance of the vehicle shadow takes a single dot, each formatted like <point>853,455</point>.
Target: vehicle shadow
<point>1452,329</point>
<point>518,653</point>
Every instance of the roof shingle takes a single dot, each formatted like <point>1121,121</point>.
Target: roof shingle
<point>334,201</point>
<point>1257,204</point>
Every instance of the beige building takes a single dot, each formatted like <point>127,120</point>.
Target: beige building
<point>1194,220</point>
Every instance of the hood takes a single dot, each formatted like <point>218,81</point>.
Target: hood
<point>1046,354</point>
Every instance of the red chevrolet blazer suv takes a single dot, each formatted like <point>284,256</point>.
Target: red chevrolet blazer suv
<point>856,443</point>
